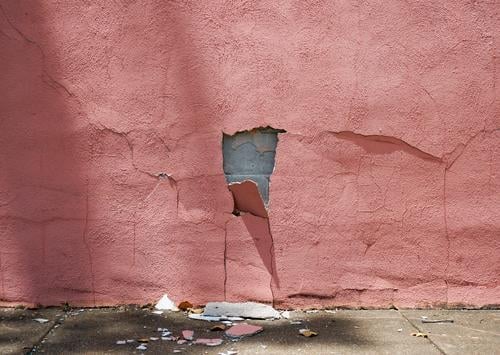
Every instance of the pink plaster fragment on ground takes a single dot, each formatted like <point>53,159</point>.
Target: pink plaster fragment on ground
<point>208,342</point>
<point>243,329</point>
<point>247,198</point>
<point>188,334</point>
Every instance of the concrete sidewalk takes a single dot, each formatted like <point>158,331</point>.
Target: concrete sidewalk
<point>96,331</point>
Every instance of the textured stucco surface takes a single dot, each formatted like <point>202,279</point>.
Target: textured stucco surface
<point>385,191</point>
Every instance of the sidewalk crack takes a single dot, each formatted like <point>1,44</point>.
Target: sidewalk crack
<point>38,343</point>
<point>422,331</point>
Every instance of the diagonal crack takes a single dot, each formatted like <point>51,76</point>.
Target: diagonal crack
<point>2,281</point>
<point>449,159</point>
<point>225,260</point>
<point>47,78</point>
<point>273,264</point>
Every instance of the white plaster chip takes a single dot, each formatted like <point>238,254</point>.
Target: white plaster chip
<point>41,320</point>
<point>245,309</point>
<point>166,304</point>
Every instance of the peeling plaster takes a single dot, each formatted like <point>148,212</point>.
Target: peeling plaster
<point>247,198</point>
<point>384,191</point>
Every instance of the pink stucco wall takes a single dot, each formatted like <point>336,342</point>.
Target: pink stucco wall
<point>386,189</point>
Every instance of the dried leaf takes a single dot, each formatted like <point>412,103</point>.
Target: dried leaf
<point>143,340</point>
<point>185,305</point>
<point>196,310</point>
<point>420,335</point>
<point>307,333</point>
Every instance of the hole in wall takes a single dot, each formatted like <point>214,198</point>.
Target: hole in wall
<point>249,158</point>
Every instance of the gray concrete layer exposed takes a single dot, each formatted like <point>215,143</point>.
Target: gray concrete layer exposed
<point>342,332</point>
<point>249,155</point>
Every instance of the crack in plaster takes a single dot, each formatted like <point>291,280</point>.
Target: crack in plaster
<point>87,245</point>
<point>46,77</point>
<point>225,260</point>
<point>449,159</point>
<point>322,296</point>
<point>250,194</point>
<point>273,264</point>
<point>42,221</point>
<point>124,135</point>
<point>271,253</point>
<point>136,222</point>
<point>2,281</point>
<point>447,235</point>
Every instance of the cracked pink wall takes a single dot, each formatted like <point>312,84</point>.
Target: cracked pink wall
<point>385,191</point>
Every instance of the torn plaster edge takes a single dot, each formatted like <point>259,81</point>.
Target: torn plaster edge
<point>274,165</point>
<point>278,131</point>
<point>232,132</point>
<point>236,211</point>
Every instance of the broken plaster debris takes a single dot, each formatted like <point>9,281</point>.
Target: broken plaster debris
<point>188,334</point>
<point>41,320</point>
<point>247,198</point>
<point>243,330</point>
<point>171,338</point>
<point>157,312</point>
<point>208,342</point>
<point>142,347</point>
<point>437,320</point>
<point>121,342</point>
<point>166,304</point>
<point>252,310</point>
<point>285,314</point>
<point>229,352</point>
<point>213,318</point>
<point>307,333</point>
